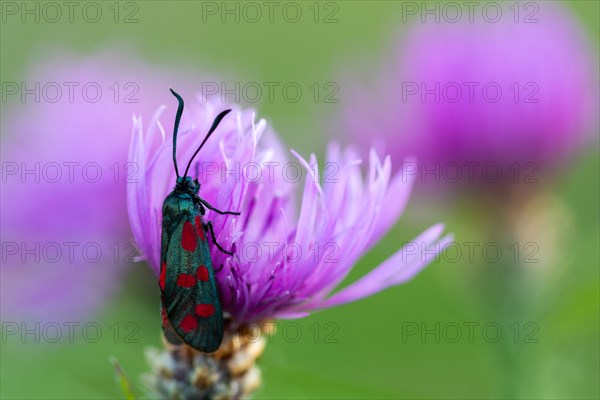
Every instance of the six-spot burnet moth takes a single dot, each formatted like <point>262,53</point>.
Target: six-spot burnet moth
<point>191,309</point>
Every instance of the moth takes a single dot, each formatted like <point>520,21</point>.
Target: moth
<point>190,306</point>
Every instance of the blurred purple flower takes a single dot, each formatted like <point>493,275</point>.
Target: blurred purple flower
<point>482,92</point>
<point>64,167</point>
<point>287,262</point>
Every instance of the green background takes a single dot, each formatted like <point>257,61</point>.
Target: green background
<point>370,358</point>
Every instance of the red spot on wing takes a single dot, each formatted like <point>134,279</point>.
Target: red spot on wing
<point>188,237</point>
<point>165,319</point>
<point>186,280</point>
<point>205,310</point>
<point>163,276</point>
<point>189,323</point>
<point>202,273</point>
<point>199,228</point>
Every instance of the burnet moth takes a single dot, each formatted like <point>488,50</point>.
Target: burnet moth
<point>191,309</point>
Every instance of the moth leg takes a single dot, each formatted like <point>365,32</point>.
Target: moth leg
<point>207,204</point>
<point>209,226</point>
<point>219,269</point>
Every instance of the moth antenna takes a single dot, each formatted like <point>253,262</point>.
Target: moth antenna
<point>214,126</point>
<point>176,128</point>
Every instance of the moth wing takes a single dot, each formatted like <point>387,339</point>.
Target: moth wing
<point>189,293</point>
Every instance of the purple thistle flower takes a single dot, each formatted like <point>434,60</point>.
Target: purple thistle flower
<point>288,260</point>
<point>481,92</point>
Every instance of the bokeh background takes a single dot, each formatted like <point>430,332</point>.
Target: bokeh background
<point>547,310</point>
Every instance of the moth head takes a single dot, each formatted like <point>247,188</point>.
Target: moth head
<point>185,184</point>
